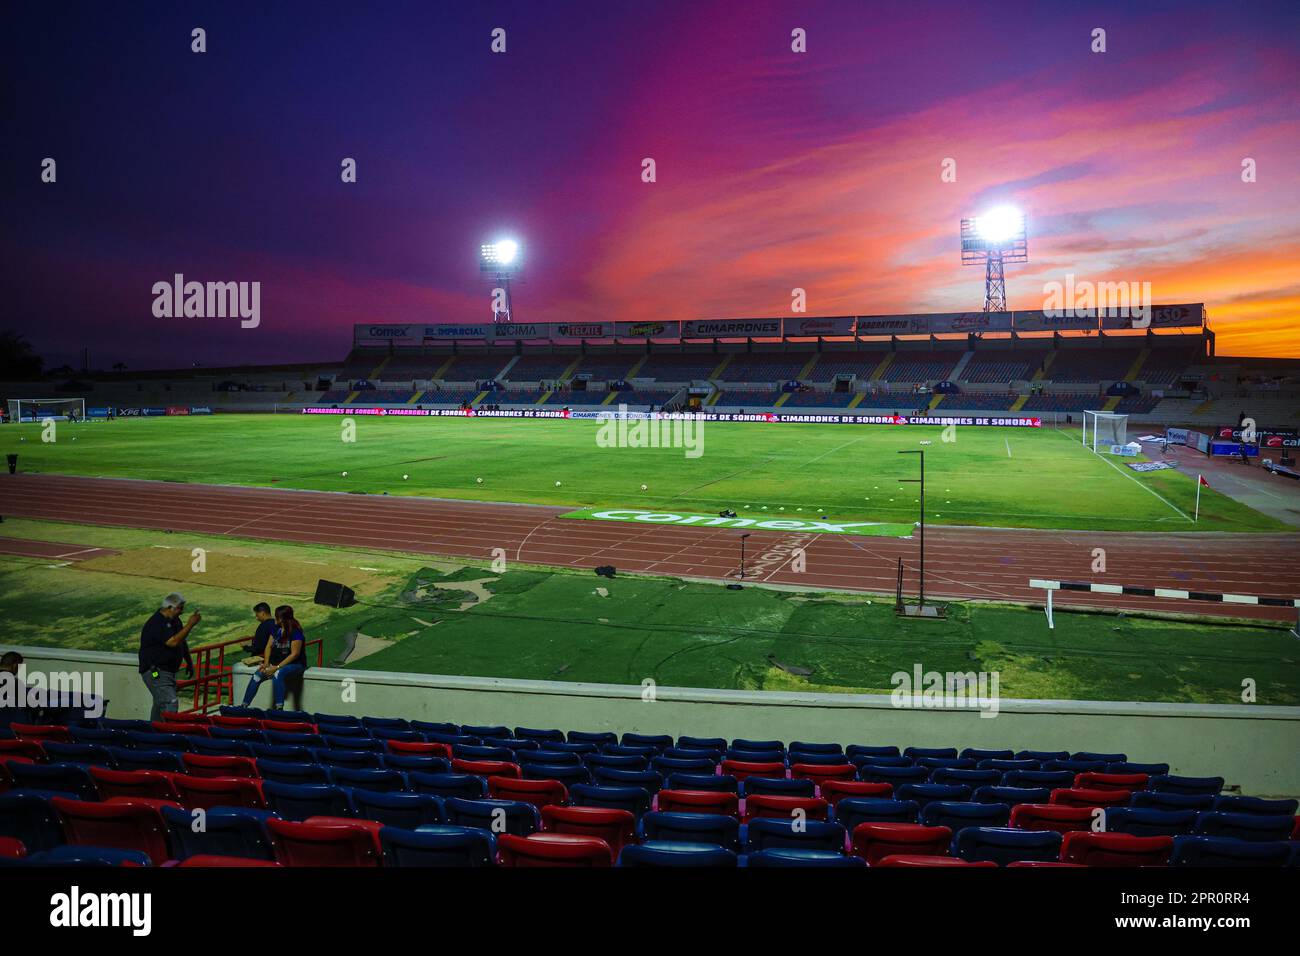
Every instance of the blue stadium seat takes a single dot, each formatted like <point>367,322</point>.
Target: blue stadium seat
<point>227,831</point>
<point>249,735</point>
<point>945,763</point>
<point>720,783</point>
<point>437,845</point>
<point>1172,801</point>
<point>333,742</point>
<point>408,762</point>
<point>924,794</point>
<point>972,753</point>
<point>495,730</point>
<point>177,743</point>
<point>634,799</point>
<point>742,743</point>
<point>386,723</point>
<point>863,750</point>
<point>714,828</point>
<point>1075,766</point>
<point>515,816</point>
<point>663,853</point>
<point>334,720</point>
<point>542,736</point>
<point>299,801</point>
<point>895,776</point>
<point>1169,783</point>
<point>755,756</point>
<point>865,760</point>
<point>968,778</point>
<point>647,780</point>
<point>1150,769</point>
<point>468,752</point>
<point>789,856</point>
<point>567,774</point>
<point>68,779</point>
<point>99,735</point>
<point>31,820</point>
<point>350,759</point>
<point>1002,845</point>
<point>1236,804</point>
<point>285,752</point>
<point>87,856</point>
<point>715,744</point>
<point>600,738</point>
<point>548,756</point>
<point>1102,758</point>
<point>284,738</point>
<point>81,753</point>
<point>1252,827</point>
<point>217,747</point>
<point>850,811</point>
<point>1042,756</point>
<point>959,815</point>
<point>1051,779</point>
<point>1225,851</point>
<point>387,781</point>
<point>918,753</point>
<point>447,784</point>
<point>1007,766</point>
<point>778,786</point>
<point>296,773</point>
<point>629,762</point>
<point>230,710</point>
<point>127,726</point>
<point>670,765</point>
<point>397,733</point>
<point>768,833</point>
<point>1150,821</point>
<point>405,810</point>
<point>1012,796</point>
<point>799,746</point>
<point>128,759</point>
<point>626,750</point>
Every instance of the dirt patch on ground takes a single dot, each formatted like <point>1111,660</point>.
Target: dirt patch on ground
<point>235,568</point>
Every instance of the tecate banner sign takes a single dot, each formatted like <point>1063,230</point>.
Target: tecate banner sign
<point>575,331</point>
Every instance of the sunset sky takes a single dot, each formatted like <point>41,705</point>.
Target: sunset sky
<point>775,169</point>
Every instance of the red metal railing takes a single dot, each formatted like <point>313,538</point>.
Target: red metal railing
<point>214,680</point>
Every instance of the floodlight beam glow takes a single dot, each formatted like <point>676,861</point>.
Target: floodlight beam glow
<point>502,252</point>
<point>1000,224</point>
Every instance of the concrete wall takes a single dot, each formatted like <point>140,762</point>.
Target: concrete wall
<point>1255,748</point>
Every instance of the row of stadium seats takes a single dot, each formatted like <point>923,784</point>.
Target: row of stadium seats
<point>313,789</point>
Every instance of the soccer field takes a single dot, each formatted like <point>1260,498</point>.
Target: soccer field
<point>998,477</point>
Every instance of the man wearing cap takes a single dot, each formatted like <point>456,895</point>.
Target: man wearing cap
<point>163,650</point>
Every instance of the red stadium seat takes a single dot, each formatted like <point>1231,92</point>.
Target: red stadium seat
<point>289,726</point>
<point>121,824</point>
<point>219,765</point>
<point>918,859</point>
<point>820,773</point>
<point>31,749</point>
<point>875,841</point>
<point>1116,849</point>
<point>740,769</point>
<point>1047,863</point>
<point>250,723</point>
<point>1127,782</point>
<point>835,790</point>
<point>770,805</point>
<point>175,717</point>
<point>540,793</point>
<point>553,849</point>
<point>209,792</point>
<point>6,778</point>
<point>1089,798</point>
<point>41,732</point>
<point>232,861</point>
<point>486,768</point>
<point>323,844</point>
<point>370,826</point>
<point>1056,816</point>
<point>190,729</point>
<point>699,801</point>
<point>1295,830</point>
<point>616,827</point>
<point>11,849</point>
<point>151,784</point>
<point>413,749</point>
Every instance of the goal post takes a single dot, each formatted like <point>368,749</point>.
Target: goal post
<point>1108,428</point>
<point>39,409</point>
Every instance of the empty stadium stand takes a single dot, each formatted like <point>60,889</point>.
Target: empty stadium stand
<point>312,789</point>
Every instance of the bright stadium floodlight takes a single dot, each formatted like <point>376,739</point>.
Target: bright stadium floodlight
<point>500,262</point>
<point>1001,224</point>
<point>992,239</point>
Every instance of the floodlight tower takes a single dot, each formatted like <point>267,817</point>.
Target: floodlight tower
<point>500,262</point>
<point>994,238</point>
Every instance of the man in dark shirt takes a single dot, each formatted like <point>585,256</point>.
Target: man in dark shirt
<point>163,650</point>
<point>265,628</point>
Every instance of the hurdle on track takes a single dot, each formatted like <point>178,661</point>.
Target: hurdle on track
<point>1174,593</point>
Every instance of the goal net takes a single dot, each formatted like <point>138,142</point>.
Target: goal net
<point>1104,429</point>
<point>39,409</point>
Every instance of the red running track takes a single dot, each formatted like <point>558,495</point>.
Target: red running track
<point>989,563</point>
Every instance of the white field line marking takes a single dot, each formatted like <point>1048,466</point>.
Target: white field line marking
<point>1144,487</point>
<point>1008,443</point>
<point>835,449</point>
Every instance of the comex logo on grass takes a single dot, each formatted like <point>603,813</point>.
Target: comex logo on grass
<point>623,430</point>
<point>952,690</point>
<point>76,909</point>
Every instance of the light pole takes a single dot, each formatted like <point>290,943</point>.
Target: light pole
<point>921,482</point>
<point>741,575</point>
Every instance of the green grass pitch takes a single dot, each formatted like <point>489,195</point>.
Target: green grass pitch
<point>999,477</point>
